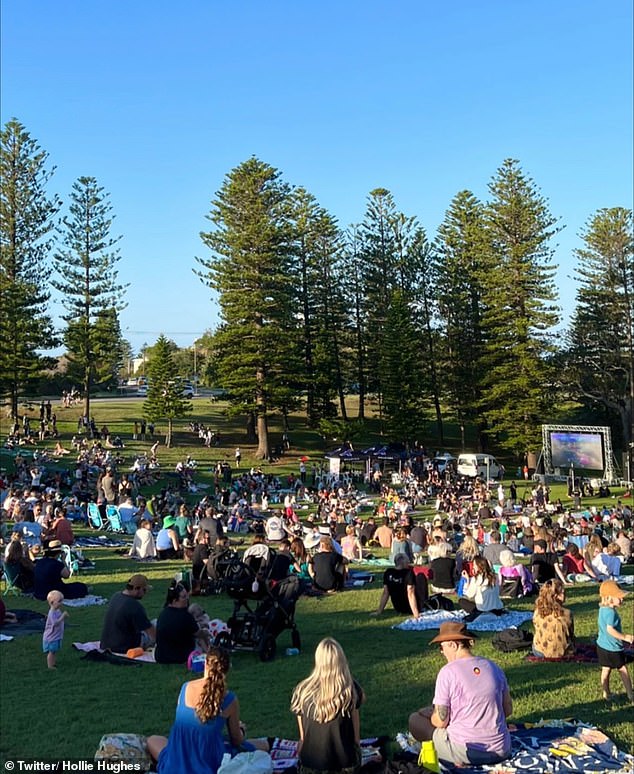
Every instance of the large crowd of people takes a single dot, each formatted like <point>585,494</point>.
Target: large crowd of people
<point>481,547</point>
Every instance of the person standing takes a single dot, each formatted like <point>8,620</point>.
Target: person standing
<point>238,456</point>
<point>467,722</point>
<point>54,627</point>
<point>611,638</point>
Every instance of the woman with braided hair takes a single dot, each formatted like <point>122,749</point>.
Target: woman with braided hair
<point>204,708</point>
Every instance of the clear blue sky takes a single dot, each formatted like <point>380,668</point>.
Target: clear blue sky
<point>160,100</point>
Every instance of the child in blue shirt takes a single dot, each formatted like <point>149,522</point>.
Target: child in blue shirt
<point>611,638</point>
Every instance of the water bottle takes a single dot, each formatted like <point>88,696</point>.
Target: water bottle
<point>292,651</point>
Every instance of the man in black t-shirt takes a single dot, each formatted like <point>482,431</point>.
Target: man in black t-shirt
<point>545,564</point>
<point>400,586</point>
<point>126,624</point>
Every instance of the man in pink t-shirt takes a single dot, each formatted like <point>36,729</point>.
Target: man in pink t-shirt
<point>467,722</point>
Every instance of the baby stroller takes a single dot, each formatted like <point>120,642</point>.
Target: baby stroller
<point>256,629</point>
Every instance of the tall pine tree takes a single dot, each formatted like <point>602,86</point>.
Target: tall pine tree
<point>165,390</point>
<point>600,352</point>
<point>87,278</point>
<point>26,222</point>
<point>520,309</point>
<point>251,269</point>
<point>462,256</point>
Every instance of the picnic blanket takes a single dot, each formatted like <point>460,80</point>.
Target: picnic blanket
<point>87,601</point>
<point>483,623</point>
<point>29,622</point>
<point>585,653</point>
<point>100,541</point>
<point>90,647</point>
<point>551,746</point>
<point>284,753</point>
<point>357,578</point>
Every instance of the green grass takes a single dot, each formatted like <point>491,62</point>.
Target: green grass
<point>63,714</point>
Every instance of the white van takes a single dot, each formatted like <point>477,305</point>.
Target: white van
<point>473,465</point>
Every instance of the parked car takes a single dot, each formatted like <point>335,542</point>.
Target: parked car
<point>444,462</point>
<point>142,391</point>
<point>483,465</point>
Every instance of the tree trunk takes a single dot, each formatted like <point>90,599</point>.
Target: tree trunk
<point>168,437</point>
<point>252,435</point>
<point>263,451</point>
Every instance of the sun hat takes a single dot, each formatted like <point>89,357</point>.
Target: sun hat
<point>55,546</point>
<point>453,631</point>
<point>610,588</point>
<point>139,581</point>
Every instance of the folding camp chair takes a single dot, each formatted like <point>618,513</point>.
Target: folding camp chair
<point>95,520</point>
<point>114,517</point>
<point>10,577</point>
<point>71,561</point>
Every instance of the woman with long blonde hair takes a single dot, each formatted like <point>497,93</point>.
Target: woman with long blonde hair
<point>204,708</point>
<point>553,623</point>
<point>327,707</point>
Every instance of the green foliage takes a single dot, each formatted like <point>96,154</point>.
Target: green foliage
<point>600,353</point>
<point>26,221</point>
<point>250,268</point>
<point>165,391</point>
<point>401,372</point>
<point>462,261</point>
<point>88,281</point>
<point>519,309</point>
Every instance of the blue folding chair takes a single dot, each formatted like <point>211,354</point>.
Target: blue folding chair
<point>114,517</point>
<point>95,520</point>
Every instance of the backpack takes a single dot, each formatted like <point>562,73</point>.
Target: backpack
<point>438,602</point>
<point>509,640</point>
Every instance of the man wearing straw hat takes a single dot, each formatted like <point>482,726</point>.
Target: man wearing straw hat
<point>467,721</point>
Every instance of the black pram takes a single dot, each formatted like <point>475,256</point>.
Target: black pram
<point>256,630</point>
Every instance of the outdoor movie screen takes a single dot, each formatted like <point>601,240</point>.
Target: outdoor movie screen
<point>583,450</point>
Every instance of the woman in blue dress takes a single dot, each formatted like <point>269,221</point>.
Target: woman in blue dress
<point>205,707</point>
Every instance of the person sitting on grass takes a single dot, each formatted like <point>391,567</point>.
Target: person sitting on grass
<point>513,572</point>
<point>167,543</point>
<point>328,568</point>
<point>553,623</point>
<point>327,705</point>
<point>545,564</point>
<point>351,545</point>
<point>442,566</point>
<point>407,591</point>
<point>205,707</point>
<point>575,566</point>
<point>126,625</point>
<point>607,563</point>
<point>50,573</point>
<point>143,545</point>
<point>481,593</point>
<point>175,628</point>
<point>467,721</point>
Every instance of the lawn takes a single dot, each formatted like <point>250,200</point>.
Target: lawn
<point>63,714</point>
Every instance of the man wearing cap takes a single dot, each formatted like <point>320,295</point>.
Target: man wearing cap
<point>126,624</point>
<point>406,590</point>
<point>467,721</point>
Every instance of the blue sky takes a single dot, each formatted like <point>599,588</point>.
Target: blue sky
<point>160,100</point>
